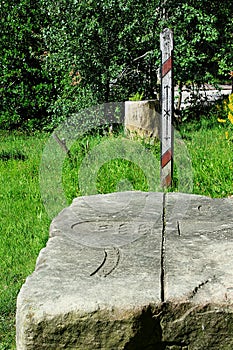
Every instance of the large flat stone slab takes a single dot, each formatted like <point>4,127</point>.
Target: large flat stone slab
<point>199,249</point>
<point>133,270</point>
<point>198,272</point>
<point>96,279</point>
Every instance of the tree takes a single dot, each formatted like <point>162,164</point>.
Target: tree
<point>113,45</point>
<point>203,42</point>
<point>203,39</point>
<point>24,87</point>
<point>59,57</point>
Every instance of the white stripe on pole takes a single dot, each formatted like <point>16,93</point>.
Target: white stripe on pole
<point>167,101</point>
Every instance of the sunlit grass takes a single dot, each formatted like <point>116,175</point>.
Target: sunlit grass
<point>24,222</point>
<point>212,162</point>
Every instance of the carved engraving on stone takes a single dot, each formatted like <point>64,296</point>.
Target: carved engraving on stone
<point>108,234</point>
<point>109,264</point>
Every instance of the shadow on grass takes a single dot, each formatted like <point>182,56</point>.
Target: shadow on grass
<point>14,154</point>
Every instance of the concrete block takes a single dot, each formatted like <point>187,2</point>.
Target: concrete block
<point>143,118</point>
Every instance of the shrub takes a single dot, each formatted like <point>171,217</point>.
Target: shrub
<point>225,115</point>
<point>25,88</point>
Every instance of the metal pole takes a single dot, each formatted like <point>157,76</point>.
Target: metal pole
<point>167,103</point>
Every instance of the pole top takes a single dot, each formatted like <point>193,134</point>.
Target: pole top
<point>166,40</point>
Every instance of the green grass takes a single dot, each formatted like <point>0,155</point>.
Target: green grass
<point>212,160</point>
<point>110,163</point>
<point>24,222</point>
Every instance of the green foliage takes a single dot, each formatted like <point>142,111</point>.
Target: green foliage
<point>24,223</point>
<point>58,58</point>
<point>123,175</point>
<point>203,39</point>
<point>7,331</point>
<point>224,114</point>
<point>212,164</point>
<point>104,42</point>
<point>136,97</point>
<point>13,154</point>
<point>116,173</point>
<point>24,87</point>
<point>203,47</point>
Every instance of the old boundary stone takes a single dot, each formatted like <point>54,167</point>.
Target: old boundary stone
<point>142,118</point>
<point>133,270</point>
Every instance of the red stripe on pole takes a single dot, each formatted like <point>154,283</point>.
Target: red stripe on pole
<point>166,157</point>
<point>167,66</point>
<point>166,46</point>
<point>167,180</point>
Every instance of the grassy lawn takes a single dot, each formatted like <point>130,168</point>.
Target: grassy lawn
<point>212,162</point>
<point>24,222</point>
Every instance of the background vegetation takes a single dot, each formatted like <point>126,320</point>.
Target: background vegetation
<point>24,222</point>
<point>58,57</point>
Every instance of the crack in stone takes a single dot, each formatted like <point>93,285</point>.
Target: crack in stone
<point>178,227</point>
<point>197,288</point>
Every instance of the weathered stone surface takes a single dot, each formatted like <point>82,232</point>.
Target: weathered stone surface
<point>133,271</point>
<point>199,247</point>
<point>198,272</point>
<point>199,326</point>
<point>142,118</point>
<point>97,277</point>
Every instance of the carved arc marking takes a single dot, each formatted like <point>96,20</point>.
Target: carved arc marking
<point>109,264</point>
<point>101,265</point>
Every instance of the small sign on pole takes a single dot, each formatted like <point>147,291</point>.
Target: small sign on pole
<point>167,103</point>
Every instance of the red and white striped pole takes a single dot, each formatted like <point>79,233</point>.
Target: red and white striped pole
<point>167,103</point>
